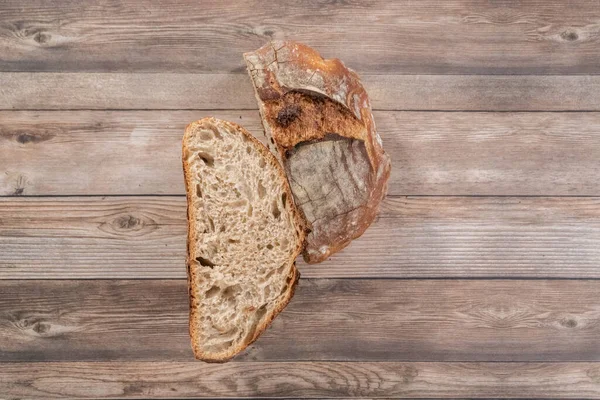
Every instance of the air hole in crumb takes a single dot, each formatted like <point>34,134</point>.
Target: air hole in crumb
<point>211,223</point>
<point>267,291</point>
<point>212,292</point>
<point>270,246</point>
<point>248,150</point>
<point>275,210</point>
<point>262,163</point>
<point>206,158</point>
<point>284,198</point>
<point>261,190</point>
<point>205,262</point>
<point>206,135</point>
<point>272,141</point>
<point>250,209</point>
<point>284,289</point>
<point>220,347</point>
<point>198,190</point>
<point>258,316</point>
<point>211,248</point>
<point>216,132</point>
<point>241,203</point>
<point>284,242</point>
<point>233,241</point>
<point>222,228</point>
<point>204,276</point>
<point>231,291</point>
<point>269,275</point>
<point>230,333</point>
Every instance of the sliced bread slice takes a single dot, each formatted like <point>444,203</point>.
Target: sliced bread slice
<point>244,234</point>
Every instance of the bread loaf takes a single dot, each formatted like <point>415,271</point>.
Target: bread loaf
<point>244,234</point>
<point>317,118</point>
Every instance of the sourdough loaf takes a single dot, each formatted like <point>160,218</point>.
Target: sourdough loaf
<point>318,121</point>
<point>244,234</point>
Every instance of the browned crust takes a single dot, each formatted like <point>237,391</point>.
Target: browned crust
<point>281,67</point>
<point>191,238</point>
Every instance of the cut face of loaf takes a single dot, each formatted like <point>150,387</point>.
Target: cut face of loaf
<point>244,234</point>
<point>317,117</point>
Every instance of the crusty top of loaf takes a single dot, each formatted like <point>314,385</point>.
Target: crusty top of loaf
<point>294,84</point>
<point>283,66</point>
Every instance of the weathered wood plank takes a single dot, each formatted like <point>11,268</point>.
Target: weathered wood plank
<point>93,238</point>
<point>329,320</point>
<point>144,237</point>
<point>56,91</point>
<point>300,379</point>
<point>165,91</point>
<point>429,37</point>
<point>139,152</point>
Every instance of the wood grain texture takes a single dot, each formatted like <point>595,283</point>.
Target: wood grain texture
<point>56,91</point>
<point>121,331</point>
<point>139,152</point>
<point>172,91</point>
<point>300,379</point>
<point>377,36</point>
<point>93,237</point>
<point>328,320</point>
<point>414,237</point>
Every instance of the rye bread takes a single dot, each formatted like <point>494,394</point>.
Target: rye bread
<point>244,234</point>
<point>318,121</point>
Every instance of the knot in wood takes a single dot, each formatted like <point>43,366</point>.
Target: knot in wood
<point>569,322</point>
<point>129,225</point>
<point>42,37</point>
<point>127,222</point>
<point>25,138</point>
<point>41,327</point>
<point>569,35</point>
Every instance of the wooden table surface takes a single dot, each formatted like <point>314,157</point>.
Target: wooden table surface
<point>479,279</point>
